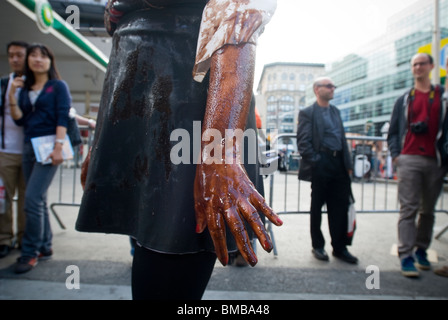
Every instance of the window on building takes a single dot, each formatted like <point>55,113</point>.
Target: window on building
<point>286,107</point>
<point>286,128</point>
<point>287,99</point>
<point>272,108</point>
<point>289,118</point>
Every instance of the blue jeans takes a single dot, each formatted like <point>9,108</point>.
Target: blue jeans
<point>38,235</point>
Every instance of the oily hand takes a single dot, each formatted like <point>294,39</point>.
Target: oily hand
<point>115,9</point>
<point>224,195</point>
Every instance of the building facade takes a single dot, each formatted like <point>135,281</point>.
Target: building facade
<point>370,81</point>
<point>281,93</point>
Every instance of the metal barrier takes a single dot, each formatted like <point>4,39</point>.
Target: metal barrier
<point>374,182</point>
<point>76,182</point>
<point>375,190</point>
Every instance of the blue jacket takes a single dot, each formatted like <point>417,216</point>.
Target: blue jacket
<point>50,110</point>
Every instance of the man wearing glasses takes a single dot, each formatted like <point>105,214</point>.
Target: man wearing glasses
<point>326,162</point>
<point>417,138</point>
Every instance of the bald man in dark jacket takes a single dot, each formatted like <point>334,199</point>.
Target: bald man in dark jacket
<point>326,162</point>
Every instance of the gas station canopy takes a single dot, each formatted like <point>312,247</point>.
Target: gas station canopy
<point>81,64</point>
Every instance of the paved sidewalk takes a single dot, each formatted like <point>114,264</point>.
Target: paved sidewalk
<point>104,264</point>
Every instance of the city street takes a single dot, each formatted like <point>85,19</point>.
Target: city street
<point>128,65</point>
<point>103,261</point>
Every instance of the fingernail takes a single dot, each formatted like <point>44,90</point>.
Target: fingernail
<point>279,221</point>
<point>224,261</point>
<point>198,228</point>
<point>253,261</point>
<point>267,246</point>
<point>115,12</point>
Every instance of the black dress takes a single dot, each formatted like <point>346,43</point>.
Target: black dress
<point>132,187</point>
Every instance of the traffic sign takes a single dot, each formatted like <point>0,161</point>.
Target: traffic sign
<point>443,55</point>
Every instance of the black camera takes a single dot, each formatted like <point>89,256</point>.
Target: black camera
<point>419,127</point>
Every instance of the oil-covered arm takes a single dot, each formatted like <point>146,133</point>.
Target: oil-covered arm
<point>224,195</point>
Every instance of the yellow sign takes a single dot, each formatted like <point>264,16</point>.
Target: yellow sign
<point>443,54</point>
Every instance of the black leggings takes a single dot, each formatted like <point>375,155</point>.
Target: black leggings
<point>158,276</point>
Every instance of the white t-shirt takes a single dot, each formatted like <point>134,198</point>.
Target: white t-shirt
<point>14,135</point>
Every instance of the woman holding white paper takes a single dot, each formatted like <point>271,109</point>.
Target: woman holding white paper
<point>43,110</point>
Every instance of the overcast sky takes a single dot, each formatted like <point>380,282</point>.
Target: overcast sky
<point>321,31</point>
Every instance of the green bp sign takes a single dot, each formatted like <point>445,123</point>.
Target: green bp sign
<point>44,15</point>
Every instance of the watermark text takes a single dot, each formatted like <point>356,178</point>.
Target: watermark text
<point>73,280</point>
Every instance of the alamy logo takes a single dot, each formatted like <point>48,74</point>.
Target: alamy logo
<point>74,18</point>
<point>373,281</point>
<point>73,280</point>
<point>219,149</point>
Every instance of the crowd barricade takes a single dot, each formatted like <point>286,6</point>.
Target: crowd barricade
<point>68,179</point>
<point>374,180</point>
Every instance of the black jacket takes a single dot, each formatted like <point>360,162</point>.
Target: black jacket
<point>309,137</point>
<point>399,128</point>
<point>3,87</point>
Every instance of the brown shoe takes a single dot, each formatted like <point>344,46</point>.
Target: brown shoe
<point>443,271</point>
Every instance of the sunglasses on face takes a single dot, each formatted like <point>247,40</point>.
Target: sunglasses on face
<point>421,64</point>
<point>328,86</point>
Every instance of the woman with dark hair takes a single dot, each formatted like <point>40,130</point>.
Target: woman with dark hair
<point>42,109</point>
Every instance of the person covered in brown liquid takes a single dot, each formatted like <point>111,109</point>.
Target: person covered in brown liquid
<point>182,215</point>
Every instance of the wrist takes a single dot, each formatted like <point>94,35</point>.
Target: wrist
<point>220,150</point>
<point>59,142</point>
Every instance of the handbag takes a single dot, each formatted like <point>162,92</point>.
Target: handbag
<point>73,132</point>
<point>351,218</point>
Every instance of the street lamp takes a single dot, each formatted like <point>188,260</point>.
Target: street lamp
<point>436,43</point>
<point>278,115</point>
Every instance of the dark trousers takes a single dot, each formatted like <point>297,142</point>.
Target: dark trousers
<point>160,276</point>
<point>330,185</point>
